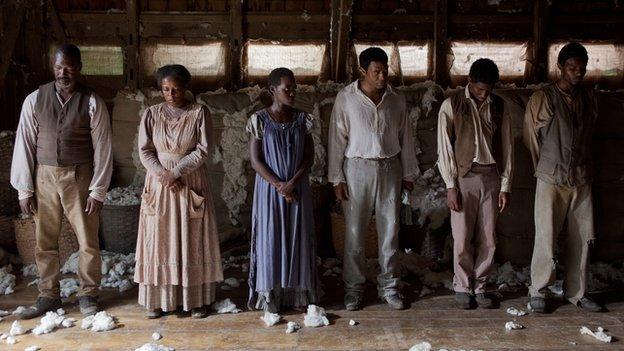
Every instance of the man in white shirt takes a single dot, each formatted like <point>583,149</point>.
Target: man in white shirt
<point>371,158</point>
<point>62,163</point>
<point>475,159</point>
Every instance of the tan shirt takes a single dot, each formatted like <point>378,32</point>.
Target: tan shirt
<point>25,150</point>
<point>361,129</point>
<point>482,122</point>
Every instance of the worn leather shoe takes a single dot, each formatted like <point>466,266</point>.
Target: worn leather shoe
<point>153,314</point>
<point>199,312</point>
<point>353,302</point>
<point>589,305</point>
<point>88,305</point>
<point>485,300</point>
<point>464,300</point>
<point>537,305</point>
<point>40,308</point>
<point>394,301</point>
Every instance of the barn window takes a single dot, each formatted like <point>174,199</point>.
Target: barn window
<point>605,60</point>
<point>409,59</point>
<point>99,60</point>
<point>202,60</point>
<point>305,60</point>
<point>509,57</point>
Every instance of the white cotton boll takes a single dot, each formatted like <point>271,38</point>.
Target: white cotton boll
<point>225,306</point>
<point>423,346</point>
<point>34,282</point>
<point>599,334</point>
<point>315,317</point>
<point>30,271</point>
<point>60,312</point>
<point>11,340</point>
<point>270,319</point>
<point>53,320</point>
<point>32,348</point>
<point>68,322</point>
<point>101,321</point>
<point>4,336</point>
<point>7,280</point>
<point>292,327</point>
<point>4,313</point>
<point>154,347</point>
<point>71,265</point>
<point>156,336</point>
<point>17,329</point>
<point>509,326</point>
<point>69,286</point>
<point>515,312</point>
<point>352,323</point>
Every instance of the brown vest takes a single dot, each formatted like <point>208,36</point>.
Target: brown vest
<point>64,135</point>
<point>565,142</point>
<point>463,137</point>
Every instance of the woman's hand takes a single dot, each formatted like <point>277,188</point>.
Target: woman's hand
<point>286,187</point>
<point>166,178</point>
<point>175,186</point>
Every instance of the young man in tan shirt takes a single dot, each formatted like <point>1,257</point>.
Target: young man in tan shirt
<point>475,150</point>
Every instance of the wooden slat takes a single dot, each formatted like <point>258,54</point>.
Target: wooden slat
<point>9,36</point>
<point>132,45</point>
<point>341,20</point>
<point>539,50</point>
<point>58,27</point>
<point>236,44</point>
<point>440,43</point>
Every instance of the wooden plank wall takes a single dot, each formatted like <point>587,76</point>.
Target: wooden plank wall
<point>110,22</point>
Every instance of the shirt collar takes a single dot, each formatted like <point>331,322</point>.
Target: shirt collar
<point>355,89</point>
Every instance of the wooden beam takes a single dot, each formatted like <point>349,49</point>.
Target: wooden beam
<point>37,48</point>
<point>236,44</point>
<point>9,35</point>
<point>539,50</point>
<point>132,45</point>
<point>440,43</point>
<point>340,31</point>
<point>58,27</point>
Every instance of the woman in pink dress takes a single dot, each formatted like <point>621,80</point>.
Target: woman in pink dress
<point>177,258</point>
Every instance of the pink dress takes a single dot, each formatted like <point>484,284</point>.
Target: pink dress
<point>177,256</point>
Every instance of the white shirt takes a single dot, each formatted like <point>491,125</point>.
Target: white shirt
<point>25,150</point>
<point>361,129</point>
<point>482,123</point>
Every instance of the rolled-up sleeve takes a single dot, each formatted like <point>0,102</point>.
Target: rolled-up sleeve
<point>25,150</point>
<point>101,138</point>
<point>446,155</point>
<point>338,141</point>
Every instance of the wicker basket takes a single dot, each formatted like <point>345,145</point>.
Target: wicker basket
<point>9,203</point>
<point>119,228</point>
<point>6,155</point>
<point>25,239</point>
<point>338,236</point>
<point>7,233</point>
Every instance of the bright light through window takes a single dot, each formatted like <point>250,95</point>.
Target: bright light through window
<point>605,60</point>
<point>509,57</point>
<point>414,60</point>
<point>207,60</point>
<point>302,59</point>
<point>99,60</point>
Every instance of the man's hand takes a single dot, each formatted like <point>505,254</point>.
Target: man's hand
<point>28,205</point>
<point>453,199</point>
<point>93,206</point>
<point>341,191</point>
<point>503,201</point>
<point>409,186</point>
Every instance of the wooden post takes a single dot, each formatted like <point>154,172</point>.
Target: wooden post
<point>8,37</point>
<point>440,43</point>
<point>539,51</point>
<point>236,44</point>
<point>36,51</point>
<point>133,72</point>
<point>57,24</point>
<point>340,30</point>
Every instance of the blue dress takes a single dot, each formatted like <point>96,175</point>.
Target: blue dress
<point>282,270</point>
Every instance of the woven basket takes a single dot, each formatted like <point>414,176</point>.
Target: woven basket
<point>6,155</point>
<point>9,203</point>
<point>7,233</point>
<point>119,228</point>
<point>25,240</point>
<point>338,236</point>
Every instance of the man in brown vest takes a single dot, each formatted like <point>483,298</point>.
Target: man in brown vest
<point>475,159</point>
<point>62,163</point>
<point>558,131</point>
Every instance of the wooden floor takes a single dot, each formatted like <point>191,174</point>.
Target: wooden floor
<point>433,319</point>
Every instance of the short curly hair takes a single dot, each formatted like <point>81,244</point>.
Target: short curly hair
<point>572,50</point>
<point>372,54</point>
<point>275,77</point>
<point>485,71</point>
<point>178,73</point>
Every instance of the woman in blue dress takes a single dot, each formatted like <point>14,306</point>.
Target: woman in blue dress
<point>282,272</point>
